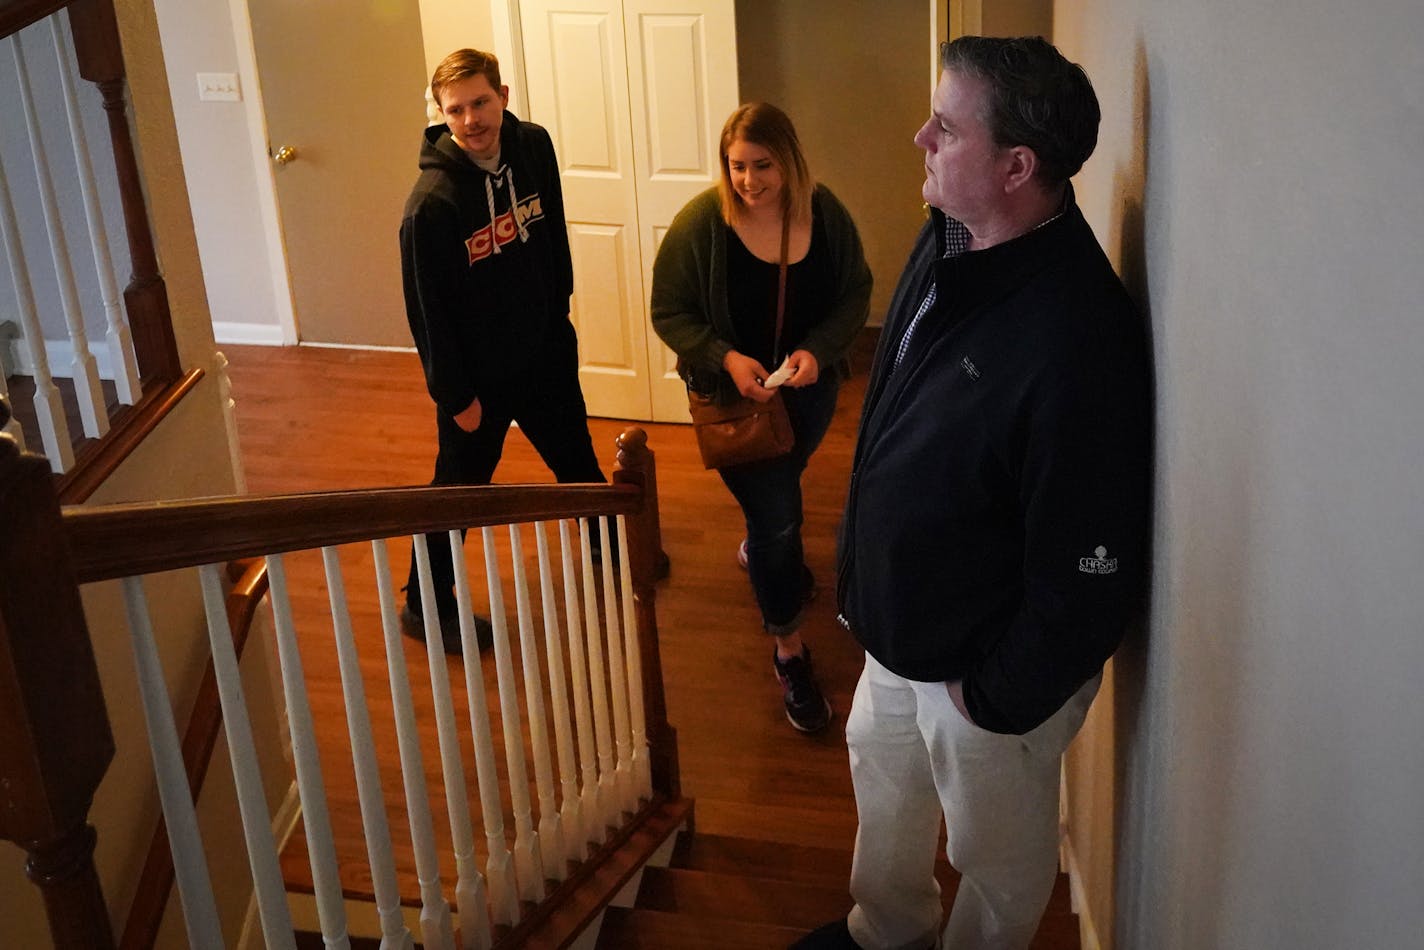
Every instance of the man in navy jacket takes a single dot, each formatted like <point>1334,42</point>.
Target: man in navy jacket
<point>996,526</point>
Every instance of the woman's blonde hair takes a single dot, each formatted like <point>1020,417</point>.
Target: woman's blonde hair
<point>761,123</point>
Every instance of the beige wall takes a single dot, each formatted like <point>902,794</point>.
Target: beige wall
<point>448,25</point>
<point>186,456</point>
<point>857,87</point>
<point>1016,18</point>
<point>1255,183</point>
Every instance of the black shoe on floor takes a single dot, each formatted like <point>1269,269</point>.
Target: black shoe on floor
<point>806,708</point>
<point>413,626</point>
<point>832,936</point>
<point>595,542</point>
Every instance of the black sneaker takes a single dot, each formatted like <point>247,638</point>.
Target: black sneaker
<point>806,708</point>
<point>832,936</point>
<point>413,626</point>
<point>595,542</point>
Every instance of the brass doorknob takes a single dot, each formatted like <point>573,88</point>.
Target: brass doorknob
<point>284,155</point>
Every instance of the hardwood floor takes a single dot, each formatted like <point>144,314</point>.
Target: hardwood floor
<point>316,418</point>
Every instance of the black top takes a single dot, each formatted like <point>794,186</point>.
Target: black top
<point>751,296</point>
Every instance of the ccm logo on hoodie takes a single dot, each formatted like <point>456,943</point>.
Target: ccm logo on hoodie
<point>488,239</point>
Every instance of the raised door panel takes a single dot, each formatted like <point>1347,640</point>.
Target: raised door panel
<point>577,78</point>
<point>682,81</point>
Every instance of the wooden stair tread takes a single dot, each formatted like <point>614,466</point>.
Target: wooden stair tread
<point>759,900</point>
<point>805,864</point>
<point>769,860</point>
<point>642,929</point>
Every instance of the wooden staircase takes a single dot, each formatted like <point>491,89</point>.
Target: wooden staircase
<point>728,893</point>
<point>775,812</point>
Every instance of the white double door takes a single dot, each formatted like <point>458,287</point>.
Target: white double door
<point>634,94</point>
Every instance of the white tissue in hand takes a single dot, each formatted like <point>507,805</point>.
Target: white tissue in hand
<point>782,374</point>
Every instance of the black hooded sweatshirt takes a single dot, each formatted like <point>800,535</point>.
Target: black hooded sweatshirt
<point>482,301</point>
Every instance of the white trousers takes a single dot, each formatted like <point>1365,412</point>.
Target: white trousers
<point>913,758</point>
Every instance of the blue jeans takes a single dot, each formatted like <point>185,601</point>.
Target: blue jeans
<point>769,494</point>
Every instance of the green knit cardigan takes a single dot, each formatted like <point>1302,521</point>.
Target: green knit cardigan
<point>689,296</point>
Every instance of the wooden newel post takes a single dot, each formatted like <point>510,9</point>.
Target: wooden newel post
<point>648,564</point>
<point>55,743</point>
<point>99,53</point>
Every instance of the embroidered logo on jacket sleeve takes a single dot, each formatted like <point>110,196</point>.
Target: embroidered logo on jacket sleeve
<point>1099,563</point>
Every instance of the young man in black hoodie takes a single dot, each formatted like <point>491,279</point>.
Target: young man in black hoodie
<point>995,532</point>
<point>487,274</point>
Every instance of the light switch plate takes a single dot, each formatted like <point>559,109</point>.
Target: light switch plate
<point>219,87</point>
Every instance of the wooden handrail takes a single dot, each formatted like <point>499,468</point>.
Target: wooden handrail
<point>96,459</point>
<point>54,738</point>
<point>113,541</point>
<point>15,15</point>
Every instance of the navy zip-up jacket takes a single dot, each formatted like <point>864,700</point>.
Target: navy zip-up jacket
<point>996,525</point>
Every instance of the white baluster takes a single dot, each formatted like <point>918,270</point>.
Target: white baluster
<point>121,352</point>
<point>49,404</point>
<point>234,449</point>
<point>606,812</point>
<point>499,866</point>
<point>528,863</point>
<point>469,883</point>
<point>321,848</point>
<point>437,932</point>
<point>394,933</point>
<point>195,888</point>
<point>570,818</point>
<point>642,771</point>
<point>85,370</point>
<point>626,794</point>
<point>583,826</point>
<point>551,841</point>
<point>267,881</point>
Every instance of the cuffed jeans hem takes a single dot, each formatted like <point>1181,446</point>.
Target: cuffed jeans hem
<point>861,933</point>
<point>785,629</point>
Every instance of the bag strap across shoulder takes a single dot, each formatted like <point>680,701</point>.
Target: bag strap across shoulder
<point>781,289</point>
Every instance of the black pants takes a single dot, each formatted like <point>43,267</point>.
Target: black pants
<point>551,413</point>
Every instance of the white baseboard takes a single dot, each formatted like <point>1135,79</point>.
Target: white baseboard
<point>58,353</point>
<point>249,334</point>
<point>1087,927</point>
<point>359,346</point>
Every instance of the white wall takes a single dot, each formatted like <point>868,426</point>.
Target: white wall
<point>224,191</point>
<point>1257,182</point>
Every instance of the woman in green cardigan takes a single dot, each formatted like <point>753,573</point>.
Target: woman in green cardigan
<point>715,284</point>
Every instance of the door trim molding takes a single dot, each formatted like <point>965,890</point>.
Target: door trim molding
<point>267,209</point>
<point>509,47</point>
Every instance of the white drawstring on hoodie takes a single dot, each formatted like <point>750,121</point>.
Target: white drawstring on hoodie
<point>513,205</point>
